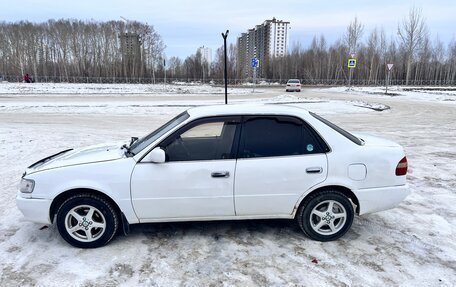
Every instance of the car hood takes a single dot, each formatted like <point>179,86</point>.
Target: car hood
<point>91,154</point>
<point>370,140</point>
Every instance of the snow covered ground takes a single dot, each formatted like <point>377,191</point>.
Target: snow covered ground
<point>101,106</point>
<point>145,99</point>
<point>112,89</point>
<point>432,94</point>
<point>411,245</point>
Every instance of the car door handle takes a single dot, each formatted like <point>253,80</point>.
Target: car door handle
<point>220,174</point>
<point>314,170</point>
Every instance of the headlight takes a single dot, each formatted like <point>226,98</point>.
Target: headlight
<point>26,185</point>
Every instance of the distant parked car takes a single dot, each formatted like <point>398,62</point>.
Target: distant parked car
<point>293,85</point>
<point>218,163</point>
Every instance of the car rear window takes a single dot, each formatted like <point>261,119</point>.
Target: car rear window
<point>269,136</point>
<point>338,129</point>
<point>293,81</point>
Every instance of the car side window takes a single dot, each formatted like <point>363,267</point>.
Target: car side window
<point>312,142</point>
<point>277,136</point>
<point>205,141</point>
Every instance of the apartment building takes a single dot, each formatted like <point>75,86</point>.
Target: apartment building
<point>206,54</point>
<point>132,59</point>
<point>264,41</point>
<point>206,58</point>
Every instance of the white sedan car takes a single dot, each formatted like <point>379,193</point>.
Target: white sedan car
<point>218,163</point>
<point>293,85</point>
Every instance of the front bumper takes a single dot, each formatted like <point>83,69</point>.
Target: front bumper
<point>383,198</point>
<point>34,209</point>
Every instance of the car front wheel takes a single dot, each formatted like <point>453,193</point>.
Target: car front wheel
<point>326,215</point>
<point>87,221</point>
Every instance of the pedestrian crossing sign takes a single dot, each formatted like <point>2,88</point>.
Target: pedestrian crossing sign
<point>352,63</point>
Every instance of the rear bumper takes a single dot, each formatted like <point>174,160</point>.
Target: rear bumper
<point>378,199</point>
<point>291,88</point>
<point>34,209</point>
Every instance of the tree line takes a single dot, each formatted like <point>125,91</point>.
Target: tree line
<point>90,49</point>
<point>417,59</point>
<point>73,48</point>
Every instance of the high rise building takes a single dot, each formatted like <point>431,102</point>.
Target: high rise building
<point>206,54</point>
<point>130,45</point>
<point>206,57</point>
<point>264,42</point>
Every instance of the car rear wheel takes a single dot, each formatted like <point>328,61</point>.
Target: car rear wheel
<point>326,215</point>
<point>87,221</point>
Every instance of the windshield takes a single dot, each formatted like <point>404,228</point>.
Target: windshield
<point>338,129</point>
<point>140,144</point>
<point>293,81</point>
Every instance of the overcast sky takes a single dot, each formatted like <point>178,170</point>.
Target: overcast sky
<point>187,25</point>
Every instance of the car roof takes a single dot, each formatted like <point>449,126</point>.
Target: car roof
<point>246,109</point>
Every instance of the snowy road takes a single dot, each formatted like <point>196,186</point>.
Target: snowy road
<point>412,245</point>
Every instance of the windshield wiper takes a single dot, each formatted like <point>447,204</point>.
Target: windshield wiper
<point>128,152</point>
<point>133,140</point>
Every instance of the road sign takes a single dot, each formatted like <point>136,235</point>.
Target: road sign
<point>390,66</point>
<point>351,63</point>
<point>255,62</point>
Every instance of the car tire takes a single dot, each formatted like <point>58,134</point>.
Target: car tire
<point>325,215</point>
<point>87,221</point>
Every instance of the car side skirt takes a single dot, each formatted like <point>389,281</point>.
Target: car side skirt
<point>216,218</point>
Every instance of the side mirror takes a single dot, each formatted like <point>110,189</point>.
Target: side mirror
<point>157,155</point>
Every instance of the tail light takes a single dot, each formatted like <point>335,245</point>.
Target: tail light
<point>401,168</point>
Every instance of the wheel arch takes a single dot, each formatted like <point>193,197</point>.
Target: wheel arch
<point>62,197</point>
<point>346,191</point>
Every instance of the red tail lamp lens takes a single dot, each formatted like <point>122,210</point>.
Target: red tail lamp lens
<point>401,168</point>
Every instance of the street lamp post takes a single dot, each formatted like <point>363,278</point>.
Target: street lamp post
<point>226,71</point>
<point>164,68</point>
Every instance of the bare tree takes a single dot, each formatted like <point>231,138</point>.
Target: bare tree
<point>174,67</point>
<point>411,32</point>
<point>75,50</point>
<point>451,62</point>
<point>353,35</point>
<point>373,54</point>
<point>69,49</point>
<point>438,53</point>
